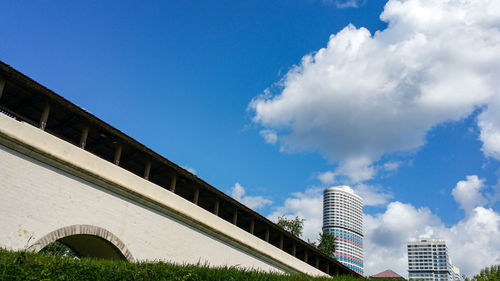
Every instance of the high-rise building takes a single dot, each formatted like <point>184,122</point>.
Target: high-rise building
<point>343,217</point>
<point>428,260</point>
<point>456,273</point>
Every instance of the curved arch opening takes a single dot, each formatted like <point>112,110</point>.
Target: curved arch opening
<point>85,246</point>
<point>84,241</point>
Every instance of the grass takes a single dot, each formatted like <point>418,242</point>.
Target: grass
<point>37,266</point>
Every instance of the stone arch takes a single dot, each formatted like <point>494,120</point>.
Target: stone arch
<point>85,233</point>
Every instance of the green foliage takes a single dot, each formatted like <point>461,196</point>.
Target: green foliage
<point>30,266</point>
<point>57,248</point>
<point>294,226</point>
<point>491,273</point>
<point>327,243</point>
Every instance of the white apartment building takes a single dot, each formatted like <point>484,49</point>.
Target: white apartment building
<point>343,217</point>
<point>428,260</point>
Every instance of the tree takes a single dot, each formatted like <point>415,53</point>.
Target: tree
<point>491,273</point>
<point>327,243</point>
<point>294,226</point>
<point>57,248</point>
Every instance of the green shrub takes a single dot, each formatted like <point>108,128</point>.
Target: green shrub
<point>40,266</point>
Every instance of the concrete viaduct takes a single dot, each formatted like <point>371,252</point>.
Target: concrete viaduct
<point>66,175</point>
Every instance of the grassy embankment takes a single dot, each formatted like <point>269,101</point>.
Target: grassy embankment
<point>31,266</point>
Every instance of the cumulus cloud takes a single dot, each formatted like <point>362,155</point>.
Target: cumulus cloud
<point>386,235</point>
<point>372,195</point>
<point>489,124</point>
<point>468,193</point>
<point>356,170</point>
<point>190,169</point>
<point>392,166</point>
<point>351,171</point>
<point>327,177</point>
<point>253,202</point>
<point>473,242</point>
<point>269,136</point>
<point>307,205</point>
<point>342,4</point>
<point>365,95</point>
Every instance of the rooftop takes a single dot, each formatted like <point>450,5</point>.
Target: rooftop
<point>387,274</point>
<point>343,188</point>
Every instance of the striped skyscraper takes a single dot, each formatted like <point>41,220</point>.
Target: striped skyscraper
<point>343,217</point>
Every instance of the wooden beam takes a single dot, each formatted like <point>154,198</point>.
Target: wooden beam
<point>147,169</point>
<point>83,137</point>
<point>317,262</point>
<point>2,86</point>
<point>17,115</point>
<point>44,116</point>
<point>294,249</point>
<point>118,153</point>
<point>252,226</point>
<point>266,236</point>
<point>328,267</point>
<point>64,123</point>
<point>173,182</point>
<point>196,195</point>
<point>235,216</point>
<point>306,256</point>
<point>129,156</point>
<point>281,241</point>
<point>98,143</point>
<point>216,206</point>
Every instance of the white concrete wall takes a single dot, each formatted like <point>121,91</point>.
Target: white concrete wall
<point>38,199</point>
<point>47,184</point>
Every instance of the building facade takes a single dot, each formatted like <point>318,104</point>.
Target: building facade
<point>343,217</point>
<point>428,260</point>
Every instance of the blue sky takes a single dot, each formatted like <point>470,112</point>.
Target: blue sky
<point>271,101</point>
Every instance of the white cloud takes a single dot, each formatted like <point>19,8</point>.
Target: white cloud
<point>269,136</point>
<point>252,202</point>
<point>473,242</point>
<point>495,197</point>
<point>190,169</point>
<point>489,124</point>
<point>357,169</point>
<point>350,171</point>
<point>327,177</point>
<point>364,95</point>
<point>372,195</point>
<point>386,235</point>
<point>306,205</point>
<point>347,4</point>
<point>342,4</point>
<point>468,193</point>
<point>392,166</point>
